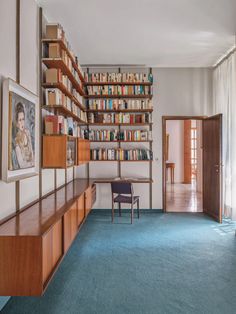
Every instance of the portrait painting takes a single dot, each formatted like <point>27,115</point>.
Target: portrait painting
<point>20,125</point>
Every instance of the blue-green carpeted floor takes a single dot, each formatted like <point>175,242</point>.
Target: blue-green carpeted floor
<point>163,263</point>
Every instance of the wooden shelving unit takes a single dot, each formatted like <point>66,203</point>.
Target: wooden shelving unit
<point>120,96</point>
<point>59,109</point>
<point>120,125</point>
<point>146,160</point>
<point>58,63</point>
<point>121,141</point>
<point>54,146</point>
<point>117,83</point>
<point>64,47</point>
<point>121,110</point>
<point>65,91</point>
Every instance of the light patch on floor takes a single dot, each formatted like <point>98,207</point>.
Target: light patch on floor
<point>183,198</point>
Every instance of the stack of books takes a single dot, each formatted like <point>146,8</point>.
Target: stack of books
<point>118,77</point>
<point>121,154</point>
<point>55,31</point>
<point>119,104</point>
<point>119,90</point>
<point>55,76</point>
<point>55,97</point>
<point>119,118</point>
<point>115,135</point>
<point>58,125</point>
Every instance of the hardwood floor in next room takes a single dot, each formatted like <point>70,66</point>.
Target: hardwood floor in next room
<point>183,198</point>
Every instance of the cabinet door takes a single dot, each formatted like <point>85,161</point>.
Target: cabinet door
<point>52,249</point>
<point>57,242</point>
<point>81,209</point>
<point>67,230</point>
<point>74,225</point>
<point>88,200</point>
<point>47,255</point>
<point>70,226</point>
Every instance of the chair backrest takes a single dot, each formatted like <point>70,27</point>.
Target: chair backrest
<point>122,187</point>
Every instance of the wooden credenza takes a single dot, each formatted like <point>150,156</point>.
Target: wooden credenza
<point>34,242</point>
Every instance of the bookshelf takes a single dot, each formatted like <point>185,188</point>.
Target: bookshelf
<point>63,103</point>
<point>134,97</point>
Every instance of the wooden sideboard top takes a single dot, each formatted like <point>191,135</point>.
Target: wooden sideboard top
<point>40,217</point>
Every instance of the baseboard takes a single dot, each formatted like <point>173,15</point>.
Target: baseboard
<point>127,210</point>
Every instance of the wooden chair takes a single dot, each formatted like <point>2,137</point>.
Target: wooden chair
<point>125,194</point>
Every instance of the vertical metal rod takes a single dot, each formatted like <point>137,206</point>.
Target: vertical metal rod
<point>119,145</point>
<point>150,163</point>
<point>87,165</point>
<point>40,101</point>
<point>17,183</point>
<point>55,179</point>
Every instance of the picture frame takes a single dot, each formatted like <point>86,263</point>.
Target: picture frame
<point>20,132</point>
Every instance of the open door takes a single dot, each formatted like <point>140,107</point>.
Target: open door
<point>212,166</point>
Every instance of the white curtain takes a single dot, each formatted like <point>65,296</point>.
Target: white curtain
<point>224,100</point>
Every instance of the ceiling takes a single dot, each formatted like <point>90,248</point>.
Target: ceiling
<point>158,33</point>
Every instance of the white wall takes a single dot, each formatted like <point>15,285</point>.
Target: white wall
<point>176,92</point>
<point>175,129</point>
<point>29,78</point>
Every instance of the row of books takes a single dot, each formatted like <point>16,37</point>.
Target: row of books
<point>57,125</point>
<point>55,97</point>
<point>55,31</point>
<point>115,135</point>
<point>119,104</point>
<point>119,90</point>
<point>119,118</point>
<point>120,154</point>
<point>119,77</point>
<point>55,76</point>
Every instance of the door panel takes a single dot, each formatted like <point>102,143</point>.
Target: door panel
<point>212,166</point>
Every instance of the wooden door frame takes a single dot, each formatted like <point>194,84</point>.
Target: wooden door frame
<point>164,119</point>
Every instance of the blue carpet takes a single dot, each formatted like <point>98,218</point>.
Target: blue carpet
<point>163,263</point>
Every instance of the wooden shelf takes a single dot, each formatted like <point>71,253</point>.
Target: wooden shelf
<point>64,111</point>
<point>120,110</point>
<point>119,124</point>
<point>132,180</point>
<point>65,91</point>
<point>120,141</point>
<point>58,63</point>
<point>117,83</point>
<point>63,46</point>
<point>146,160</point>
<point>119,96</point>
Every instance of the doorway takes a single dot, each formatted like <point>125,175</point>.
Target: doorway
<point>183,165</point>
<point>198,186</point>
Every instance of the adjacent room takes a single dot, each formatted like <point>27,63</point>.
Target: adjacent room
<point>118,157</point>
<point>183,156</point>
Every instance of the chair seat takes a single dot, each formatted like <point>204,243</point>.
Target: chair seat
<point>125,199</point>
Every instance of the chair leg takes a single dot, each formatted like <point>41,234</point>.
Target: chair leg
<point>119,210</point>
<point>138,208</point>
<point>112,213</point>
<point>132,212</point>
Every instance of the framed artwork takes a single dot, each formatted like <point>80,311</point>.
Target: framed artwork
<point>20,130</point>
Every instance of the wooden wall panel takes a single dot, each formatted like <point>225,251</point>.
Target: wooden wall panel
<point>47,255</point>
<point>21,267</point>
<point>54,151</point>
<point>81,209</point>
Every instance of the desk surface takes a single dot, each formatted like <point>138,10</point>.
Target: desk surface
<point>38,218</point>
